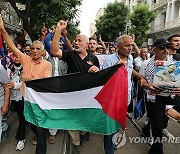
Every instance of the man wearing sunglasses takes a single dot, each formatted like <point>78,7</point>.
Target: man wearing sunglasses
<point>155,103</point>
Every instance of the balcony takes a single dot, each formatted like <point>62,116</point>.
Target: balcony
<point>160,3</point>
<point>157,28</point>
<point>172,24</point>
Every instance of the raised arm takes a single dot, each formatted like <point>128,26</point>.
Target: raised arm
<point>47,42</point>
<point>55,51</point>
<point>136,48</point>
<point>102,43</point>
<point>68,43</point>
<point>8,40</point>
<point>44,32</point>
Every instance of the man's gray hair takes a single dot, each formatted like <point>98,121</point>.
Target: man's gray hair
<point>120,39</point>
<point>38,42</point>
<point>85,37</point>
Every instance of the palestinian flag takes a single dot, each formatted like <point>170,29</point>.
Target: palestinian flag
<point>1,46</point>
<point>159,63</point>
<point>81,101</point>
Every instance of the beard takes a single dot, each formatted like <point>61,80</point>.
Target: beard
<point>79,50</point>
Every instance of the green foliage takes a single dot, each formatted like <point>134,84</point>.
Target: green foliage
<point>47,11</point>
<point>113,22</point>
<point>73,31</point>
<point>141,18</point>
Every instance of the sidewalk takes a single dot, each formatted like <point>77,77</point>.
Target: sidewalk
<point>94,146</point>
<point>8,146</point>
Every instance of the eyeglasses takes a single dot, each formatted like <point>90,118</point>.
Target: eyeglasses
<point>162,47</point>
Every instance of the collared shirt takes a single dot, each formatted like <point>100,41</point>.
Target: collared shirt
<point>77,64</point>
<point>112,60</point>
<point>138,62</point>
<point>34,70</point>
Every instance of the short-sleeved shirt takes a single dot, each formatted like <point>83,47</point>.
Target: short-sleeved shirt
<point>77,64</point>
<point>138,62</point>
<point>34,70</point>
<point>3,79</point>
<point>112,60</point>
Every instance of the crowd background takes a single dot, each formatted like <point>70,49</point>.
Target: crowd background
<point>53,55</point>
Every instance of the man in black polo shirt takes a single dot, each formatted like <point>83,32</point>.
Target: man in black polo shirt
<point>78,60</point>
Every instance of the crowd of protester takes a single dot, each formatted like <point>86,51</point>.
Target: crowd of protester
<point>54,55</point>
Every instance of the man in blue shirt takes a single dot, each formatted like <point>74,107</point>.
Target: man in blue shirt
<point>125,45</point>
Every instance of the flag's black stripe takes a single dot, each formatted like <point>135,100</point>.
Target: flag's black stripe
<point>72,82</point>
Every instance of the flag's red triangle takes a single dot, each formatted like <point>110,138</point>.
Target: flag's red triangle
<point>114,96</point>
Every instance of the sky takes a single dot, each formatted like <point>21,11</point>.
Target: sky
<point>89,9</point>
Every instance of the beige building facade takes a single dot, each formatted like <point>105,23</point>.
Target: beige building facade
<point>167,21</point>
<point>93,29</point>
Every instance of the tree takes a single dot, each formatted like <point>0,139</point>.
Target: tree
<point>113,22</point>
<point>50,12</point>
<point>140,19</point>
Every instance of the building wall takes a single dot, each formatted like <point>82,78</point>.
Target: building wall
<point>132,3</point>
<point>11,21</point>
<point>166,23</point>
<point>93,29</point>
<point>168,19</point>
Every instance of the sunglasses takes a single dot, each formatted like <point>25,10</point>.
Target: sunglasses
<point>162,47</point>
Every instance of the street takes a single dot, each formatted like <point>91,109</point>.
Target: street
<point>94,146</point>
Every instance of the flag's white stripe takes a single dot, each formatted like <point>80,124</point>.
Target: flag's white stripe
<point>70,100</point>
